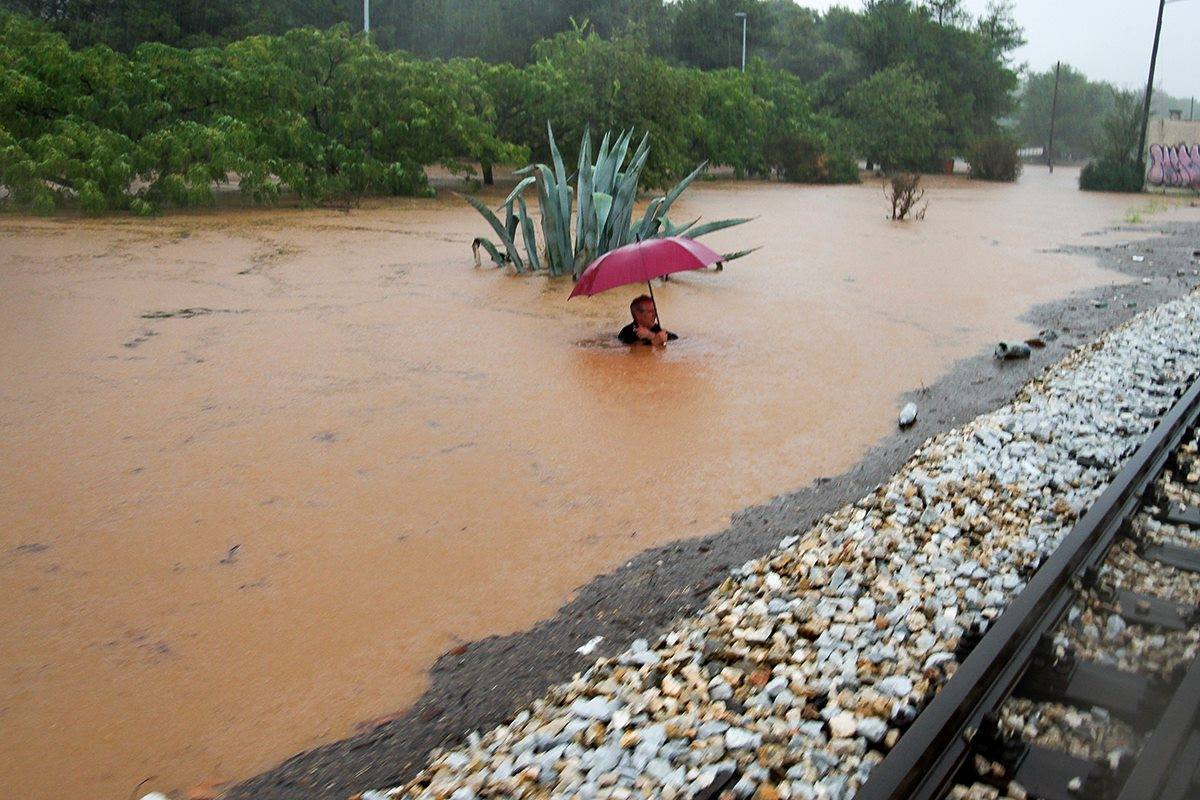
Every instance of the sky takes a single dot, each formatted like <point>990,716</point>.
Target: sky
<point>1107,40</point>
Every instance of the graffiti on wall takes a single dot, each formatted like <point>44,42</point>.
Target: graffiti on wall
<point>1175,166</point>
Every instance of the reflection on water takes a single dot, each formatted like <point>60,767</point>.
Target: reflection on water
<point>226,537</point>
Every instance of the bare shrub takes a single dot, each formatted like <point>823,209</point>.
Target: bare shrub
<point>903,192</point>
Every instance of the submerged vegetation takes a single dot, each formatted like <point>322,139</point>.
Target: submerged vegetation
<point>607,192</point>
<point>903,191</point>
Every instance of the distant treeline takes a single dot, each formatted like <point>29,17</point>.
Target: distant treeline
<point>139,104</point>
<point>1083,106</point>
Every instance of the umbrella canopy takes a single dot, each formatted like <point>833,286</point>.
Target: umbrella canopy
<point>641,261</point>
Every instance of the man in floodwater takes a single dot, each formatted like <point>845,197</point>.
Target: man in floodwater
<point>644,329</point>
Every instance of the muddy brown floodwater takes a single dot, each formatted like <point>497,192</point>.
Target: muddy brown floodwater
<point>261,467</point>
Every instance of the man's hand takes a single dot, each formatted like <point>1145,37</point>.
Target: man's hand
<point>660,338</point>
<point>643,333</point>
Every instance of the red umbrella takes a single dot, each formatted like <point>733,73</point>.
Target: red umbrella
<point>641,261</point>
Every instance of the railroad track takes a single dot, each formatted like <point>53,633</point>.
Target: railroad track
<point>1040,707</point>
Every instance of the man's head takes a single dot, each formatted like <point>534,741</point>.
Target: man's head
<point>642,309</point>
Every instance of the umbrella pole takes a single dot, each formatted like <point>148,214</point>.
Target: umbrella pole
<point>657,318</point>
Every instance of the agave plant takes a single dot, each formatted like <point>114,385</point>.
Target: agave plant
<point>603,216</point>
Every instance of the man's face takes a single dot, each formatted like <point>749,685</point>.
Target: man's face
<point>643,315</point>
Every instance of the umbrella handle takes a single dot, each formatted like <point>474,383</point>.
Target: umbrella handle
<point>657,318</point>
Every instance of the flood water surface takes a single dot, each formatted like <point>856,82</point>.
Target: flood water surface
<point>261,468</point>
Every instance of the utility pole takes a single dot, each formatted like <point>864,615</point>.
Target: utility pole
<point>1053,111</point>
<point>742,14</point>
<point>366,16</point>
<point>1141,153</point>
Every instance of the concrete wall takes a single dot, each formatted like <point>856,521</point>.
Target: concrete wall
<point>1174,158</point>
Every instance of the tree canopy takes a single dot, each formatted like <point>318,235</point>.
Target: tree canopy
<point>322,114</point>
<point>172,97</point>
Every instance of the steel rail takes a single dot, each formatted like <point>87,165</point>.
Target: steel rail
<point>925,760</point>
<point>1162,750</point>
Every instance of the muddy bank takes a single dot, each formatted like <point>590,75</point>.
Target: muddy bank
<point>478,685</point>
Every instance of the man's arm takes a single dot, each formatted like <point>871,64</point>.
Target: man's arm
<point>633,334</point>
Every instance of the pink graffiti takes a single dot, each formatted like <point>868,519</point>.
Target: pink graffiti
<point>1174,166</point>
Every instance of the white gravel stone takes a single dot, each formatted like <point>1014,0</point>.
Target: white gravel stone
<point>843,725</point>
<point>737,738</point>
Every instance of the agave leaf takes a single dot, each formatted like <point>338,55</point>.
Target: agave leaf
<point>622,149</point>
<point>604,204</point>
<point>649,223</point>
<point>510,220</point>
<point>549,223</point>
<point>562,196</point>
<point>601,155</point>
<point>608,164</point>
<point>679,230</point>
<point>585,216</point>
<point>716,225</point>
<point>527,233</point>
<point>624,200</point>
<point>518,189</point>
<point>564,225</point>
<point>582,259</point>
<point>673,195</point>
<point>501,231</point>
<point>560,171</point>
<point>498,258</point>
<point>739,253</point>
<point>584,184</point>
<point>643,148</point>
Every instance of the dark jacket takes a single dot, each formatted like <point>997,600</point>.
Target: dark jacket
<point>628,336</point>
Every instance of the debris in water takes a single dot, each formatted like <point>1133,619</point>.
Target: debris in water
<point>587,649</point>
<point>1012,350</point>
<point>1139,259</point>
<point>1100,304</point>
<point>231,556</point>
<point>908,415</point>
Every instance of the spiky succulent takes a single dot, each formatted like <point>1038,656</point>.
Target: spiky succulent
<point>603,215</point>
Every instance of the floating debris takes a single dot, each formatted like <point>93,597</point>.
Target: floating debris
<point>1012,350</point>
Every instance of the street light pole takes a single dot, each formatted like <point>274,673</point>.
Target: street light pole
<point>742,14</point>
<point>366,16</point>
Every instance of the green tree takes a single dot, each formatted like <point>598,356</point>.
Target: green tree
<point>1082,104</point>
<point>706,34</point>
<point>895,116</point>
<point>324,114</point>
<point>972,80</point>
<point>1117,166</point>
